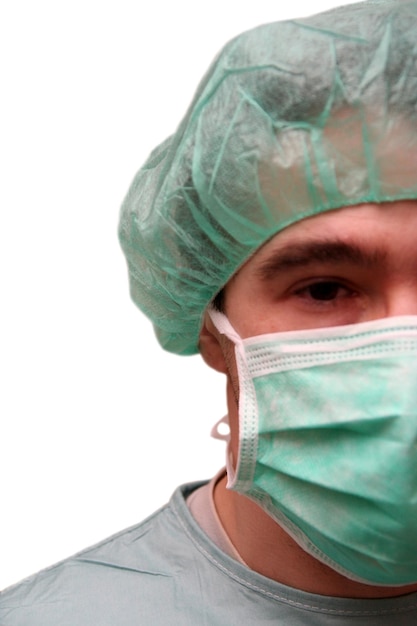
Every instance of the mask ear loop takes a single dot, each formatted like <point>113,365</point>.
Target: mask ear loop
<point>224,327</point>
<point>216,433</point>
<point>221,429</point>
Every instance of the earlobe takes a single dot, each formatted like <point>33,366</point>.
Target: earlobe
<point>210,346</point>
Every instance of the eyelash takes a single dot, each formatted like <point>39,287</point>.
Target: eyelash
<point>336,286</point>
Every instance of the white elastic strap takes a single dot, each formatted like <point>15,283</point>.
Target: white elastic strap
<point>217,434</point>
<point>216,431</point>
<point>223,325</point>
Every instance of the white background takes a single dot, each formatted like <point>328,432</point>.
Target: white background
<point>98,424</point>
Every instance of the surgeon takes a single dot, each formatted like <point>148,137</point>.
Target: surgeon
<point>275,233</point>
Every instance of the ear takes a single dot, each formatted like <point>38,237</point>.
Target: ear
<point>210,345</point>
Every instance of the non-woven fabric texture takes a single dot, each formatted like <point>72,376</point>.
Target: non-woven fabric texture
<point>292,119</point>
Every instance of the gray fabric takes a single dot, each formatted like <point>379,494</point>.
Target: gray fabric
<point>166,571</point>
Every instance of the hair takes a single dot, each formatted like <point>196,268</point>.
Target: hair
<point>218,301</point>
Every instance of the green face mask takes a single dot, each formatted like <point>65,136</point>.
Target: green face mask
<point>328,441</point>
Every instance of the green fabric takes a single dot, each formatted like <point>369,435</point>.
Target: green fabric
<point>293,118</point>
<point>328,426</point>
<point>164,572</point>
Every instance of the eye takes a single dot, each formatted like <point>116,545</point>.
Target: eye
<point>324,291</point>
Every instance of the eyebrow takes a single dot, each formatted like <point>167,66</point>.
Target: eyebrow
<point>303,254</point>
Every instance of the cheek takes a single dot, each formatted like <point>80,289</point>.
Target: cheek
<point>246,307</point>
<point>261,316</point>
<point>228,350</point>
<point>233,413</point>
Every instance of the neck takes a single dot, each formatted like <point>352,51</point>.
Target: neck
<point>267,549</point>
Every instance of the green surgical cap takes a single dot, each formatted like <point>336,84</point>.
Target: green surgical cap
<point>292,119</point>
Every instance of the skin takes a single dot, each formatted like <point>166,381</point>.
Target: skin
<point>346,266</point>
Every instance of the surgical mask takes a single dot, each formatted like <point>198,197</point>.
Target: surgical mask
<point>328,441</point>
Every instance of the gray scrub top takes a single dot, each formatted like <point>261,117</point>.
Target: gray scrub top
<point>166,571</point>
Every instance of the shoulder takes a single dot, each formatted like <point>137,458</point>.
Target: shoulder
<point>122,574</point>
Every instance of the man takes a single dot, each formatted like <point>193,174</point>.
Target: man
<point>275,233</point>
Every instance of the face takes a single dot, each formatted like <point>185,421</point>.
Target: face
<point>346,266</point>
